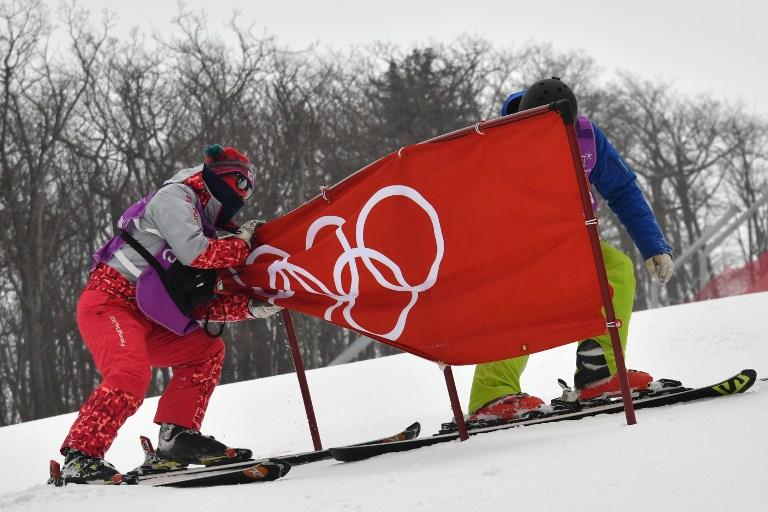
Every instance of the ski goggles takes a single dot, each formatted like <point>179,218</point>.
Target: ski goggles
<point>239,182</point>
<point>237,174</point>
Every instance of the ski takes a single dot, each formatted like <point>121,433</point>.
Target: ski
<point>246,471</point>
<point>161,473</point>
<point>225,474</point>
<point>672,393</point>
<point>240,472</point>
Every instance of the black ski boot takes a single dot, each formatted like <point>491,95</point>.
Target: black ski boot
<point>187,446</point>
<point>80,468</point>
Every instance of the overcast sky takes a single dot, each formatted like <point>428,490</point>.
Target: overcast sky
<point>707,46</point>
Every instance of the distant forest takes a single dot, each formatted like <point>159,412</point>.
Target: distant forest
<point>88,127</point>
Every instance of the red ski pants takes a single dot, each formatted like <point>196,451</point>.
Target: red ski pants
<point>125,346</point>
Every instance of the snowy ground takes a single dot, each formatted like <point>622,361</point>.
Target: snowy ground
<point>703,456</point>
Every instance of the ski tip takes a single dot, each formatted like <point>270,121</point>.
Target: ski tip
<point>739,383</point>
<point>413,430</point>
<point>750,377</point>
<point>752,374</point>
<point>283,466</point>
<point>267,470</point>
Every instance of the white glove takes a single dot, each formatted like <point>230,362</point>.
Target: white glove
<point>259,309</point>
<point>253,224</point>
<point>661,266</point>
<point>246,230</point>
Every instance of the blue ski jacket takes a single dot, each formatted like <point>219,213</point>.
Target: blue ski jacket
<point>617,184</point>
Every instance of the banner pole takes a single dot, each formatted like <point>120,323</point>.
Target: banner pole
<point>299,365</point>
<point>458,415</point>
<point>563,107</point>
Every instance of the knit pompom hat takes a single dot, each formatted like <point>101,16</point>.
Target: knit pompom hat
<point>227,160</point>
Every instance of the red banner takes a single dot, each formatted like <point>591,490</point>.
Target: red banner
<point>467,249</point>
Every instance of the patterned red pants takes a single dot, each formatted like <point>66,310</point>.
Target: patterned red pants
<point>125,346</point>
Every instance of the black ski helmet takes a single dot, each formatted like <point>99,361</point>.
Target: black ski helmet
<point>547,91</point>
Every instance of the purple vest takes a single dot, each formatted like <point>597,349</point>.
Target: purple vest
<point>586,138</point>
<point>151,296</point>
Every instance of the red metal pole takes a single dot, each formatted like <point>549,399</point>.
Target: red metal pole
<point>299,364</point>
<point>458,415</point>
<point>610,313</point>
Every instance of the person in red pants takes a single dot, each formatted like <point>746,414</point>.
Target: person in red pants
<point>133,320</point>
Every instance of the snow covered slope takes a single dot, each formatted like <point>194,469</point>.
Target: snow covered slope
<point>700,456</point>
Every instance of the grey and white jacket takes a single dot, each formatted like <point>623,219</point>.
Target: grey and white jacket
<point>171,216</point>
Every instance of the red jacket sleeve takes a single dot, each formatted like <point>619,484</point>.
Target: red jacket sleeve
<point>224,308</point>
<point>229,252</point>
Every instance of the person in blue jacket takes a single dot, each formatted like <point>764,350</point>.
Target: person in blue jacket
<point>496,393</point>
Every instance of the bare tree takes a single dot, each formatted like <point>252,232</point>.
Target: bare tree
<point>747,176</point>
<point>38,105</point>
